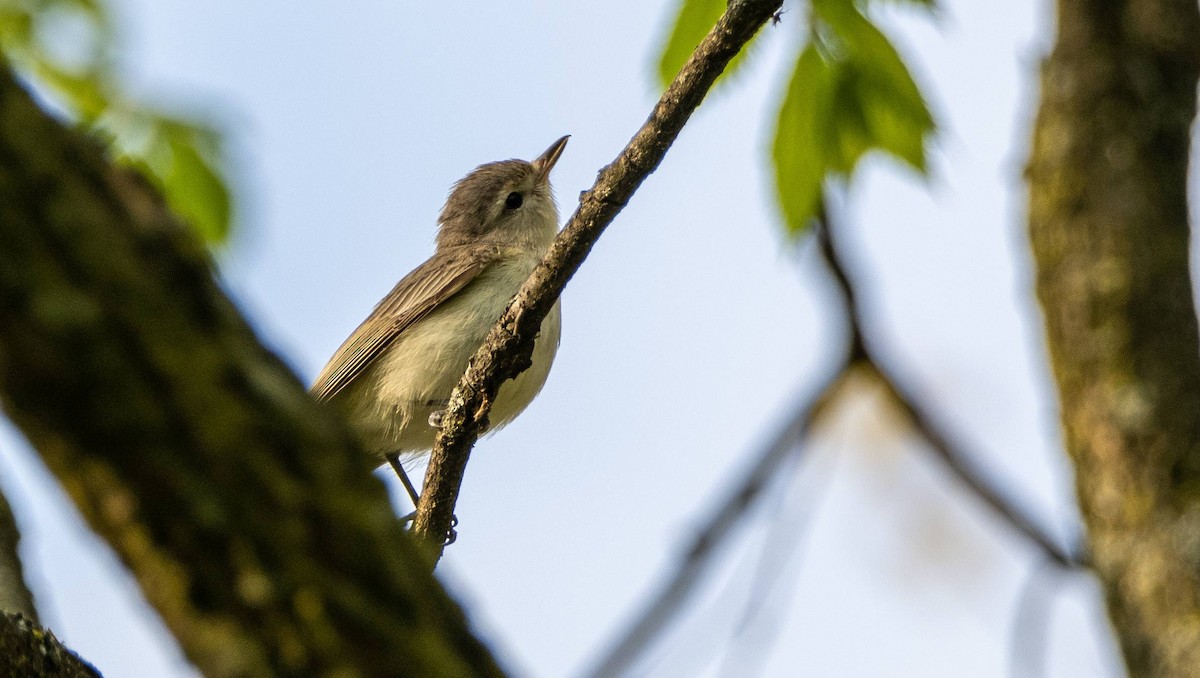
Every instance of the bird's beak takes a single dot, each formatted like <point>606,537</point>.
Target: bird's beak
<point>545,162</point>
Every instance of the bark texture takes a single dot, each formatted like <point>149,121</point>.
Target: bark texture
<point>27,650</point>
<point>14,592</point>
<point>1108,220</point>
<point>245,510</point>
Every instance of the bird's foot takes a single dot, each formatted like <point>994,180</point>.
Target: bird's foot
<point>451,534</point>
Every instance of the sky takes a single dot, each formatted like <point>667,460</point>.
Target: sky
<point>688,334</point>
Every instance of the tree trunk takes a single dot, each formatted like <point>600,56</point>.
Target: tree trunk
<point>14,592</point>
<point>1108,220</point>
<point>246,511</point>
<point>27,650</point>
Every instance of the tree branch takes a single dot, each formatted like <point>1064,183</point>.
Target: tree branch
<point>658,612</point>
<point>244,509</point>
<point>956,460</point>
<point>1111,234</point>
<point>506,351</point>
<point>664,605</point>
<point>14,591</point>
<point>28,650</point>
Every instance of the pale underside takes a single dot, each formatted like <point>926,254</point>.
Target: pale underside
<point>388,388</point>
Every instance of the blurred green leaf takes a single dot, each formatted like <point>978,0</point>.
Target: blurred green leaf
<point>929,5</point>
<point>889,101</point>
<point>85,94</point>
<point>799,150</point>
<point>850,94</point>
<point>696,18</point>
<point>89,6</point>
<point>183,156</point>
<point>191,184</point>
<point>16,26</point>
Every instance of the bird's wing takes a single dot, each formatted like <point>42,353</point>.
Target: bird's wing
<point>429,285</point>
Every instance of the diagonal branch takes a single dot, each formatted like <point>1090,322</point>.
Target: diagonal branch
<point>506,351</point>
<point>974,478</point>
<point>658,612</point>
<point>661,609</point>
<point>957,461</point>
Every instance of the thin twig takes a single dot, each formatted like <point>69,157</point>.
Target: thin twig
<point>961,464</point>
<point>975,478</point>
<point>506,351</point>
<point>666,603</point>
<point>688,573</point>
<point>784,543</point>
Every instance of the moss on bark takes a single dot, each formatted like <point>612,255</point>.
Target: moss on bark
<point>1108,221</point>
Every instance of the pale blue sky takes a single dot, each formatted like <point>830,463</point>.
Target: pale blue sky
<point>686,334</point>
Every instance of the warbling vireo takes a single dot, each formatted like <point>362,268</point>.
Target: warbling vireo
<point>393,376</point>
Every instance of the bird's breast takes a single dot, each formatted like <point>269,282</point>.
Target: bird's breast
<point>414,376</point>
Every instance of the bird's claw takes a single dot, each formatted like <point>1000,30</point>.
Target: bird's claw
<point>451,534</point>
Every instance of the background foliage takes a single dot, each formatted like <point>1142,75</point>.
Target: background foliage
<point>67,49</point>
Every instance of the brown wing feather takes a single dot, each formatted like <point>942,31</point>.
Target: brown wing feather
<point>421,291</point>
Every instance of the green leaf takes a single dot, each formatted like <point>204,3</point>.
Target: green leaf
<point>16,28</point>
<point>183,157</point>
<point>91,7</point>
<point>888,99</point>
<point>930,6</point>
<point>799,151</point>
<point>192,185</point>
<point>87,94</point>
<point>849,95</point>
<point>696,18</point>
<point>863,6</point>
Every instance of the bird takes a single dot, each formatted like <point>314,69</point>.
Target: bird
<point>392,377</point>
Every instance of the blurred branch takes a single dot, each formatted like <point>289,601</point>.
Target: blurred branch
<point>506,351</point>
<point>663,606</point>
<point>1111,228</point>
<point>14,592</point>
<point>785,541</point>
<point>716,530</point>
<point>957,461</point>
<point>28,650</point>
<point>975,479</point>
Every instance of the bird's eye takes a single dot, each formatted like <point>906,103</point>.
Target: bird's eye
<point>514,200</point>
